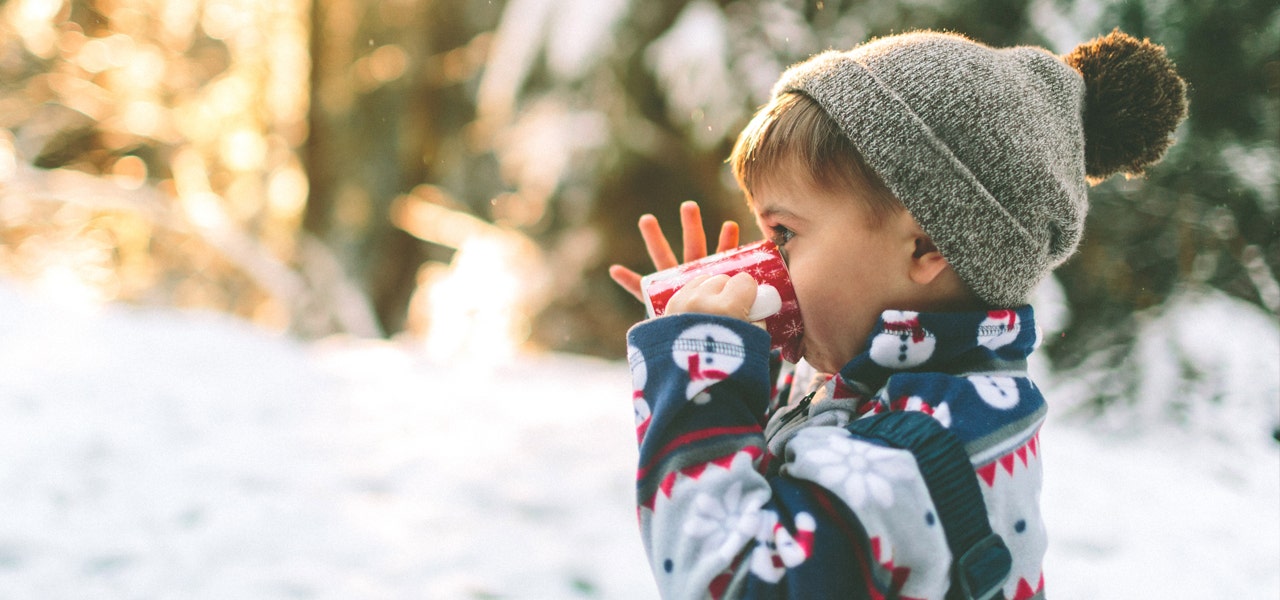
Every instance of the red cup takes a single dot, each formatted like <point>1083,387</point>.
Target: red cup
<point>775,307</point>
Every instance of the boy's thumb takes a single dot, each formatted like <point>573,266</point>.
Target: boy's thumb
<point>740,293</point>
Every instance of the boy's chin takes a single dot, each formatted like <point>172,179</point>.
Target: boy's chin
<point>821,358</point>
<point>817,359</point>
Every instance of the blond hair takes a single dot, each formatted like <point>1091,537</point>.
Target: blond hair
<point>793,136</point>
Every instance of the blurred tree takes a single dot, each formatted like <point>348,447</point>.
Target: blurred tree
<point>210,124</point>
<point>1205,217</point>
<point>389,107</point>
<point>164,136</point>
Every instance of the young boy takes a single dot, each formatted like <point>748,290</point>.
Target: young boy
<point>919,186</point>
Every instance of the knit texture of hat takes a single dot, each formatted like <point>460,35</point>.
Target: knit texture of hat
<point>987,147</point>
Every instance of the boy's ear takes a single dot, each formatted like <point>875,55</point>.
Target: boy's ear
<point>926,261</point>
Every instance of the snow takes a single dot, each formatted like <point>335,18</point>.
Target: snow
<point>1191,368</point>
<point>1258,168</point>
<point>580,32</point>
<point>1163,515</point>
<point>689,62</point>
<point>572,35</point>
<point>515,48</point>
<point>156,454</point>
<point>1064,26</point>
<point>1204,362</point>
<point>538,148</point>
<point>163,454</point>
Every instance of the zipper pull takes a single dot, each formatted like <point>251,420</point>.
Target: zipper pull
<point>802,407</point>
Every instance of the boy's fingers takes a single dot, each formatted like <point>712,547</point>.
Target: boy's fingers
<point>740,289</point>
<point>695,239</point>
<point>656,243</point>
<point>680,300</point>
<point>695,284</point>
<point>728,236</point>
<point>737,296</point>
<point>626,278</point>
<point>715,294</point>
<point>714,284</point>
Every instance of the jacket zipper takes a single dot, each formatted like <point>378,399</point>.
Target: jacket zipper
<point>802,407</point>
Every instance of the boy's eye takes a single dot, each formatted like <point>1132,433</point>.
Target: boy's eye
<point>780,235</point>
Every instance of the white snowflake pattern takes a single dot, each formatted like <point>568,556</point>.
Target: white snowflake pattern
<point>793,329</point>
<point>857,470</point>
<point>724,523</point>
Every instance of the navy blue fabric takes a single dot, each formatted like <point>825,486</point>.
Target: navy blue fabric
<point>952,484</point>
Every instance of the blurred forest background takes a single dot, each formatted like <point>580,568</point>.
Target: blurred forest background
<point>463,171</point>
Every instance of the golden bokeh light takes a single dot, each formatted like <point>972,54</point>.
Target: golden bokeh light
<point>168,128</point>
<point>130,172</point>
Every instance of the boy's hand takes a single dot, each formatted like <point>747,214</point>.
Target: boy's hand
<point>695,245</point>
<point>715,295</point>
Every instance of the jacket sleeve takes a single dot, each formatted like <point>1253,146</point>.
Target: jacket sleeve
<point>713,524</point>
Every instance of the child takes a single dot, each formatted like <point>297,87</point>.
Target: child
<point>920,186</point>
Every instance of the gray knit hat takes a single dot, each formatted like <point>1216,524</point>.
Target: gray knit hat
<point>987,147</point>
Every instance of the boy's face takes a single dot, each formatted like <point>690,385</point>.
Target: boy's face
<point>845,270</point>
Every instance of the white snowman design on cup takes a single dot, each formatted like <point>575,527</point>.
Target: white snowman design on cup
<point>768,302</point>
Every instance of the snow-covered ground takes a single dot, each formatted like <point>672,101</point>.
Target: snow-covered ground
<point>159,454</point>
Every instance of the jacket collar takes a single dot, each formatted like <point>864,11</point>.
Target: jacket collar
<point>954,342</point>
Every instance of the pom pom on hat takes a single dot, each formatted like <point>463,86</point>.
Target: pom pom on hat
<point>1134,99</point>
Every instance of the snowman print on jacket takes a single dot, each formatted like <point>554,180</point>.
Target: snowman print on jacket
<point>710,353</point>
<point>998,392</point>
<point>777,549</point>
<point>902,343</point>
<point>639,377</point>
<point>999,329</point>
